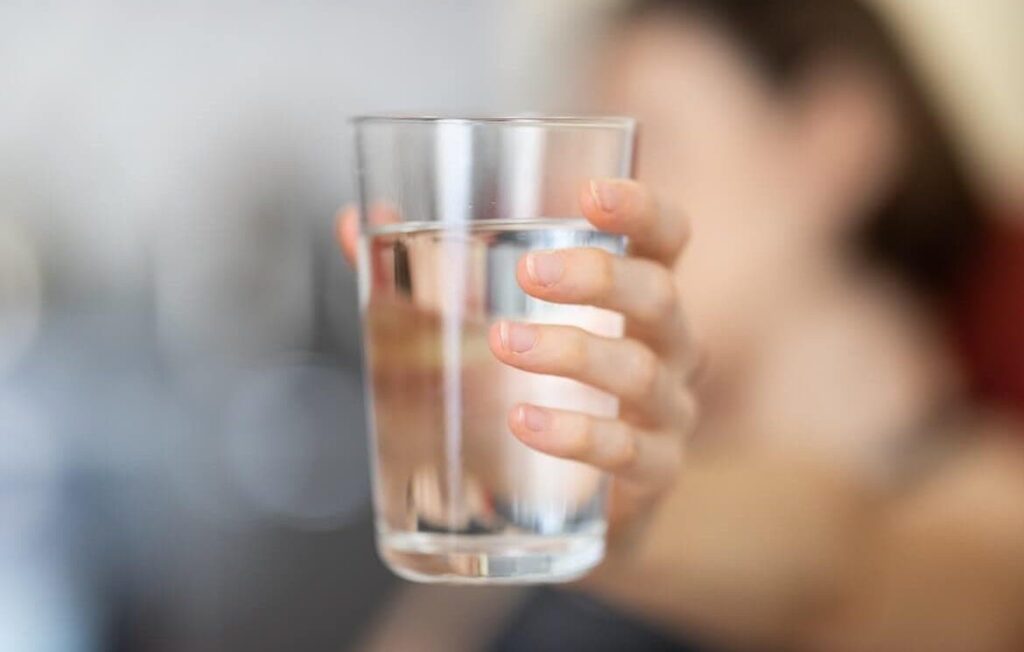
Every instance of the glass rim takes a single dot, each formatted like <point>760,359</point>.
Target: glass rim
<point>599,122</point>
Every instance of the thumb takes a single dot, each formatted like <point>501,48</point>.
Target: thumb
<point>346,230</point>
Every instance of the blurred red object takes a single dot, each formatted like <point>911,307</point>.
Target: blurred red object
<point>990,317</point>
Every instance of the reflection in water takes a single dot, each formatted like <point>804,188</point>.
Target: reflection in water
<point>446,460</point>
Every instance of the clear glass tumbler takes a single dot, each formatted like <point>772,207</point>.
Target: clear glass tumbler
<point>448,206</point>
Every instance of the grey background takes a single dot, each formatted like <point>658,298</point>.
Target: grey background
<point>182,448</point>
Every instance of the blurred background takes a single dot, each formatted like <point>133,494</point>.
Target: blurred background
<point>183,462</point>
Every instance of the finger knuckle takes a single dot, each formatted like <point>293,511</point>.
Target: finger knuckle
<point>626,450</point>
<point>669,463</point>
<point>645,372</point>
<point>572,352</point>
<point>583,437</point>
<point>664,298</point>
<point>601,273</point>
<point>676,234</point>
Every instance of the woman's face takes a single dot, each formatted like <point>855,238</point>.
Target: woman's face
<point>718,143</point>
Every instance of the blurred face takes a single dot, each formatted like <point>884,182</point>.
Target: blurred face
<point>736,157</point>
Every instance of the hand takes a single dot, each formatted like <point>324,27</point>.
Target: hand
<point>649,369</point>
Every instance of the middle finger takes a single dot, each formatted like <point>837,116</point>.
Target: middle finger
<point>642,290</point>
<point>621,366</point>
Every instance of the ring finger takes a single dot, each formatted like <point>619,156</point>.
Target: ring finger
<point>643,458</point>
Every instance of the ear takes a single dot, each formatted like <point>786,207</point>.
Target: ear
<point>849,137</point>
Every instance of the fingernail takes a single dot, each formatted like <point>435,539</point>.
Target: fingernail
<point>545,268</point>
<point>607,195</point>
<point>533,418</point>
<point>517,338</point>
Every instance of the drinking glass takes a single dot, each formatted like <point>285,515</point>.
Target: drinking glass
<point>448,207</point>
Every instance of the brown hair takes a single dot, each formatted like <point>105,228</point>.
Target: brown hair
<point>928,226</point>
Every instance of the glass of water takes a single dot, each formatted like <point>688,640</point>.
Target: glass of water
<point>448,207</point>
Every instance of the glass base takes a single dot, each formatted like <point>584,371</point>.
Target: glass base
<point>489,559</point>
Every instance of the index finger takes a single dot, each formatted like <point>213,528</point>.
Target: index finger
<point>628,208</point>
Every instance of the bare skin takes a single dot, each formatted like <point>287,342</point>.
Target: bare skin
<point>648,370</point>
<point>795,523</point>
<point>784,547</point>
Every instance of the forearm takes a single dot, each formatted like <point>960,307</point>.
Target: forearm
<point>745,548</point>
<point>945,568</point>
<point>780,553</point>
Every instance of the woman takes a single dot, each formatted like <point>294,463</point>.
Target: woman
<point>825,502</point>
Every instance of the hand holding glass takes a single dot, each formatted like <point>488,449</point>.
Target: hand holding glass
<point>450,210</point>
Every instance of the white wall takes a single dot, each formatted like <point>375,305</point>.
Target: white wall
<point>111,109</point>
<point>972,51</point>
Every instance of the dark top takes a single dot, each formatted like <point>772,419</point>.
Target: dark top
<point>561,620</point>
